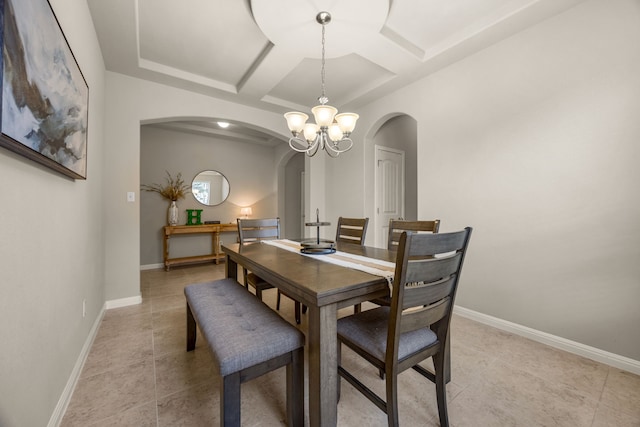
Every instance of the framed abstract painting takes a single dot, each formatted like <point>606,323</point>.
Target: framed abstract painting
<point>45,97</point>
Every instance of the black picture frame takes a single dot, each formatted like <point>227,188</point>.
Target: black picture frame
<point>44,97</point>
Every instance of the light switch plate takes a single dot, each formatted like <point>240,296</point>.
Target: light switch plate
<point>131,196</point>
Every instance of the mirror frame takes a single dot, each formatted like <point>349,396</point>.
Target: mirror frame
<point>214,172</point>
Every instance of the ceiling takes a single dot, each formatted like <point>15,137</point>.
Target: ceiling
<point>266,53</point>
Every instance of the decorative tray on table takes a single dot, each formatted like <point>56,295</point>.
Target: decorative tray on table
<point>317,246</point>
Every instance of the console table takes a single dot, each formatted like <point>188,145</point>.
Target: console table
<point>213,229</point>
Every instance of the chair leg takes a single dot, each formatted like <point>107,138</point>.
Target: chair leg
<point>392,400</point>
<point>278,301</point>
<point>297,312</point>
<point>191,330</point>
<point>295,389</point>
<point>259,293</point>
<point>357,308</point>
<point>339,358</point>
<point>439,362</point>
<point>230,400</point>
<point>304,309</point>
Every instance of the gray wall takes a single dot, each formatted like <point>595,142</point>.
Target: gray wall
<point>293,201</point>
<point>51,254</point>
<point>249,168</point>
<point>537,148</point>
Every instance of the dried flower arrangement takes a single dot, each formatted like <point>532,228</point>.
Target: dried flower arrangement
<point>174,190</point>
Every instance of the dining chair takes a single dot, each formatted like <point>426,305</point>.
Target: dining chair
<point>351,230</point>
<point>253,231</point>
<point>415,326</point>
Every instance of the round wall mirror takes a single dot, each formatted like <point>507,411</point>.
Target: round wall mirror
<point>210,188</point>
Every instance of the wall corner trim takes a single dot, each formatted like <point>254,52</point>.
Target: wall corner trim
<point>560,343</point>
<point>123,302</point>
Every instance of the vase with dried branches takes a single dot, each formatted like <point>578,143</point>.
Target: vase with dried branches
<point>173,190</point>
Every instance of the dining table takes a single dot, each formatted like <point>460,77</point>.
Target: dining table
<point>324,288</point>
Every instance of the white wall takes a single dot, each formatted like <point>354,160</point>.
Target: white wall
<point>535,143</point>
<point>249,168</point>
<point>51,254</point>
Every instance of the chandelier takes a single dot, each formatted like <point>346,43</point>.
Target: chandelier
<point>331,131</point>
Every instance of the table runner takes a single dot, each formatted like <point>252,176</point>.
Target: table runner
<point>357,262</point>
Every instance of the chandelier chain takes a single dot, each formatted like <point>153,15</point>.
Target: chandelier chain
<point>323,98</point>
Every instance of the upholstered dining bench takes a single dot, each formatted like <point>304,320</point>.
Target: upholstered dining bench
<point>247,339</point>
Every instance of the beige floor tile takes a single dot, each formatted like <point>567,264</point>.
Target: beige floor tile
<point>609,417</point>
<point>180,370</point>
<point>169,318</point>
<point>622,392</point>
<point>141,416</point>
<point>114,326</point>
<point>167,302</point>
<point>510,396</point>
<point>110,393</point>
<point>118,351</point>
<point>193,407</point>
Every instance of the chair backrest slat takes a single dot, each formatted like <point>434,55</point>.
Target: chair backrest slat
<point>418,317</point>
<point>397,226</point>
<point>416,295</point>
<point>351,230</point>
<point>255,230</point>
<point>433,269</point>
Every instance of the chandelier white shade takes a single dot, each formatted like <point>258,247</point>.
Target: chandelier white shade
<point>331,130</point>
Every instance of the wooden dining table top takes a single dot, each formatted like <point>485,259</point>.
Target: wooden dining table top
<point>308,278</point>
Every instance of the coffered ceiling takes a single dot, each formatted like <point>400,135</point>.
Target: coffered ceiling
<point>266,53</point>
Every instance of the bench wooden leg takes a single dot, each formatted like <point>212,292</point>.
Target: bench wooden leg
<point>191,330</point>
<point>295,389</point>
<point>230,400</point>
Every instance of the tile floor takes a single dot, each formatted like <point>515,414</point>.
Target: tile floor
<point>139,374</point>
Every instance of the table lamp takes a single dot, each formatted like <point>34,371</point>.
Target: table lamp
<point>246,212</point>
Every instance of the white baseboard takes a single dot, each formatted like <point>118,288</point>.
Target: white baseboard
<point>592,353</point>
<point>151,266</point>
<point>65,398</point>
<point>123,302</point>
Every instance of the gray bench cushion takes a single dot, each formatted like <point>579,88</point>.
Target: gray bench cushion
<point>241,330</point>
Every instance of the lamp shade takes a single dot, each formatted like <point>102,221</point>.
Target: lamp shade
<point>324,114</point>
<point>335,133</point>
<point>246,211</point>
<point>347,121</point>
<point>295,121</point>
<point>310,131</point>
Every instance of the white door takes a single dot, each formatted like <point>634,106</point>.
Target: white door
<point>389,191</point>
